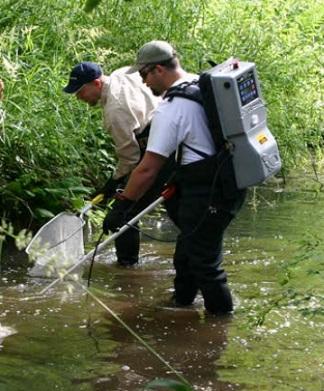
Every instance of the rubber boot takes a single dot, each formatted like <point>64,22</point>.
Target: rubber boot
<point>218,299</point>
<point>127,247</point>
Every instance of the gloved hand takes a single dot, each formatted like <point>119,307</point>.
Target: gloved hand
<point>110,187</point>
<point>118,215</point>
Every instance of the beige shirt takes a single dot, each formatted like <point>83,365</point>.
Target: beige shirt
<point>128,107</point>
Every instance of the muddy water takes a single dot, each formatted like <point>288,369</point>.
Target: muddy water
<point>273,341</point>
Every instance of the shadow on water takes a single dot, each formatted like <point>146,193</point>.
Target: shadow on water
<point>65,341</point>
<point>186,338</point>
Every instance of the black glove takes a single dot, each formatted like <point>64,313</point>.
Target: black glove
<point>110,187</point>
<point>118,215</point>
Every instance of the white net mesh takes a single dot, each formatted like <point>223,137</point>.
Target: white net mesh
<point>57,246</point>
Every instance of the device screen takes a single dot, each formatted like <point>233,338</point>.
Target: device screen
<point>247,87</point>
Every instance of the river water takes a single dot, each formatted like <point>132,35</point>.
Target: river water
<point>65,340</point>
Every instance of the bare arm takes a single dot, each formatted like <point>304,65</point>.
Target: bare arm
<point>143,176</point>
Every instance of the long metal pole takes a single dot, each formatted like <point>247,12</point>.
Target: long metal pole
<point>106,242</point>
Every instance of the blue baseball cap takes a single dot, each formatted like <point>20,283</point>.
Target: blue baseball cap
<point>82,73</point>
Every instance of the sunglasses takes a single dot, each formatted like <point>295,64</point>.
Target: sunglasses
<point>146,70</point>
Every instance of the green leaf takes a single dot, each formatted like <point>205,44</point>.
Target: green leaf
<point>55,191</point>
<point>91,4</point>
<point>77,203</point>
<point>80,189</point>
<point>170,384</point>
<point>44,212</point>
<point>30,193</point>
<point>14,187</point>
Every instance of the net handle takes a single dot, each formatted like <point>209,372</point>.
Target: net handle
<point>166,194</point>
<point>93,202</point>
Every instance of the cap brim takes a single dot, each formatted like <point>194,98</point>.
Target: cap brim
<point>72,88</point>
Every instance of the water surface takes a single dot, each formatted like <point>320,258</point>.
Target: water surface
<point>273,341</point>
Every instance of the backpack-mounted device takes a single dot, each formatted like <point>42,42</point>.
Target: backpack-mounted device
<point>231,96</point>
<point>233,102</point>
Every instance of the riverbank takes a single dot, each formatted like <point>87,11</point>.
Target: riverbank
<point>53,149</point>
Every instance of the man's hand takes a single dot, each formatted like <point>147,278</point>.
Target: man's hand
<point>118,215</point>
<point>110,187</point>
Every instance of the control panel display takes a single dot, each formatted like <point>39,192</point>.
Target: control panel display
<point>247,87</point>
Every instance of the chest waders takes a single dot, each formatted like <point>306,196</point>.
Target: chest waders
<point>208,199</point>
<point>215,173</point>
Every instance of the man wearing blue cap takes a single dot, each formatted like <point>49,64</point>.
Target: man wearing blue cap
<point>128,107</point>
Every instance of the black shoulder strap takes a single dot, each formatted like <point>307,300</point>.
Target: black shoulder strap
<point>200,153</point>
<point>210,106</point>
<point>188,89</point>
<point>201,91</point>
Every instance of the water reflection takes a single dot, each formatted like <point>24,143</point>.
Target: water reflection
<point>189,342</point>
<point>186,338</point>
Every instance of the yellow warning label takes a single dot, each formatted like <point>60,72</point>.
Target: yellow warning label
<point>262,138</point>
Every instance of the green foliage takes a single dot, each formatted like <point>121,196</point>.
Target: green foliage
<point>53,149</point>
<point>275,342</point>
<point>21,239</point>
<point>91,4</point>
<point>167,385</point>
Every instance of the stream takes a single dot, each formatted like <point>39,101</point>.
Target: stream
<point>65,340</point>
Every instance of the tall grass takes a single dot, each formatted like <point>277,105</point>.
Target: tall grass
<point>53,148</point>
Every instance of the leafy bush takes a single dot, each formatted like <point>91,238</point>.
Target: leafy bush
<point>53,148</point>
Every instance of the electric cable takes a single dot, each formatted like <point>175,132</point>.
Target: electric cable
<point>150,236</point>
<point>212,188</point>
<point>135,335</point>
<point>204,216</point>
<point>200,222</point>
<point>93,258</point>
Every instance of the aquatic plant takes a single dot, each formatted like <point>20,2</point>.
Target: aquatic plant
<point>21,239</point>
<point>167,384</point>
<point>280,321</point>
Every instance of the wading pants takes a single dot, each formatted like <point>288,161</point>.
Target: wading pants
<point>207,202</point>
<point>198,255</point>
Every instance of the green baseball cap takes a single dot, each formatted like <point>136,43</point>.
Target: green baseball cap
<point>153,52</point>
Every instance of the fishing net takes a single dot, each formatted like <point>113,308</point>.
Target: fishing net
<point>57,246</point>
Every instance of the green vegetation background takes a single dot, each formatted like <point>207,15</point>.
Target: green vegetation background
<point>53,149</point>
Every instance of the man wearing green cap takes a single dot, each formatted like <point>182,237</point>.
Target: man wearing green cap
<point>181,124</point>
